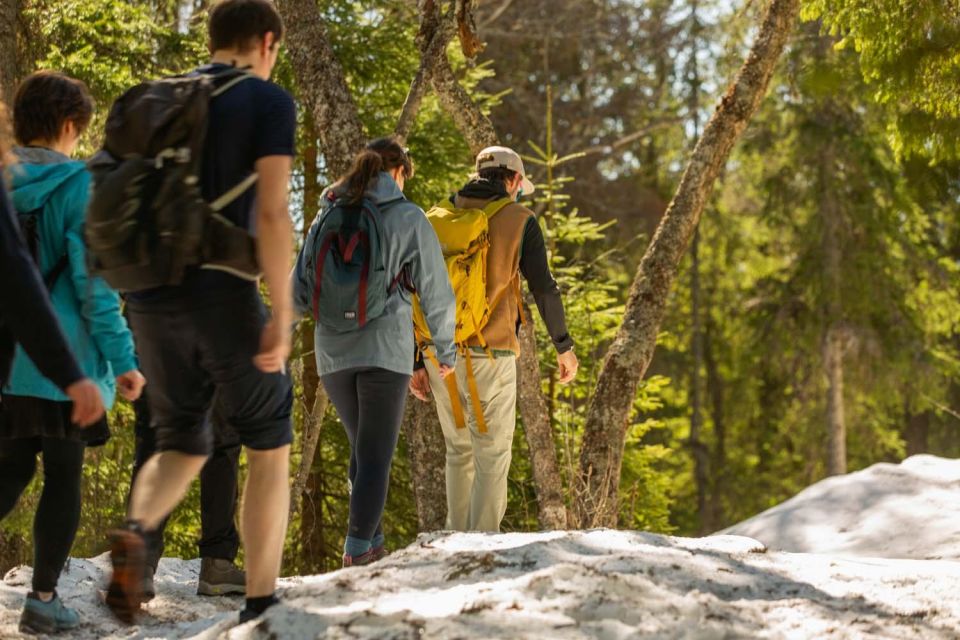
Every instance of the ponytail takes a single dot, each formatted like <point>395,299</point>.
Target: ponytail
<point>382,154</point>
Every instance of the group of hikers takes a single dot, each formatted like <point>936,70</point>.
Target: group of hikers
<point>131,273</point>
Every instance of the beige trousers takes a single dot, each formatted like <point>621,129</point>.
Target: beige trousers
<point>478,463</point>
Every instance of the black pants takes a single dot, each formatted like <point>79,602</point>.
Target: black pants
<point>58,514</point>
<point>218,488</point>
<point>370,402</point>
<point>193,352</point>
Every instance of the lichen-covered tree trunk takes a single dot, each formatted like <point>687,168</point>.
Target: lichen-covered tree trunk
<point>427,453</point>
<point>322,84</point>
<point>610,408</point>
<point>9,19</point>
<point>537,427</point>
<point>315,399</point>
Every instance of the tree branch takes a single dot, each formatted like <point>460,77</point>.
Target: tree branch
<point>432,39</point>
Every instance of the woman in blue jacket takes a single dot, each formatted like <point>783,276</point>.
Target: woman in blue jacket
<point>50,194</point>
<point>366,371</point>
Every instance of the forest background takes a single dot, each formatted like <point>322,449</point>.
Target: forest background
<point>813,325</point>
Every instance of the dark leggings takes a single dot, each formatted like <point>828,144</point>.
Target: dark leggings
<point>370,402</point>
<point>58,514</point>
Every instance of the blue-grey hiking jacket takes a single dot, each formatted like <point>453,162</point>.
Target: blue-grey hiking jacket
<point>387,342</point>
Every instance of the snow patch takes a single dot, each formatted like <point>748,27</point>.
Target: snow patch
<point>910,510</point>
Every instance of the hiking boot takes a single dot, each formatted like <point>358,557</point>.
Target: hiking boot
<point>128,557</point>
<point>47,617</point>
<point>369,557</point>
<point>148,591</point>
<point>219,577</point>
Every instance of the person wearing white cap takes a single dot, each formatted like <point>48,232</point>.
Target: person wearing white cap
<point>478,454</point>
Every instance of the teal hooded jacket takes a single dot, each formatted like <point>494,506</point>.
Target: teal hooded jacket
<point>88,309</point>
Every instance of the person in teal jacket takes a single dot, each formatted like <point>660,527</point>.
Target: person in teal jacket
<point>366,372</point>
<point>50,194</point>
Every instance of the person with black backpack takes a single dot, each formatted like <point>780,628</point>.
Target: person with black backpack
<point>366,253</point>
<point>191,167</point>
<point>50,194</point>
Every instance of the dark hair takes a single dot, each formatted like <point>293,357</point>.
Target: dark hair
<point>497,174</point>
<point>382,154</point>
<point>45,101</point>
<point>237,24</point>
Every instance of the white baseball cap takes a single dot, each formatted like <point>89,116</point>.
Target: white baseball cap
<point>504,158</point>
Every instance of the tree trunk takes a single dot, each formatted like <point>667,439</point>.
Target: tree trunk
<point>701,455</point>
<point>719,458</point>
<point>322,84</point>
<point>432,41</point>
<point>538,429</point>
<point>836,424</point>
<point>9,58</point>
<point>833,338</point>
<point>315,399</point>
<point>609,411</point>
<point>427,451</point>
<point>917,433</point>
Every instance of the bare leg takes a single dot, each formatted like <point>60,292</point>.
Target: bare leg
<point>161,485</point>
<point>266,505</point>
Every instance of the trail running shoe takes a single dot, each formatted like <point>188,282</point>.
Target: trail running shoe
<point>128,557</point>
<point>219,577</point>
<point>363,559</point>
<point>47,617</point>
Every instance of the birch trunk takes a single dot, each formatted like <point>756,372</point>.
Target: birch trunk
<point>610,408</point>
<point>427,452</point>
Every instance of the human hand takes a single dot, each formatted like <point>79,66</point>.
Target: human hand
<point>445,370</point>
<point>420,385</point>
<point>130,384</point>
<point>274,347</point>
<point>87,403</point>
<point>568,366</point>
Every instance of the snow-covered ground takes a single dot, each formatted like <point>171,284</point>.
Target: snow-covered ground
<point>907,510</point>
<point>592,584</point>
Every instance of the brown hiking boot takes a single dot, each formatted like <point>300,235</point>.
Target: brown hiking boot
<point>128,557</point>
<point>363,559</point>
<point>220,577</point>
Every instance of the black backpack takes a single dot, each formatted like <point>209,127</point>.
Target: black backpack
<point>29,223</point>
<point>147,221</point>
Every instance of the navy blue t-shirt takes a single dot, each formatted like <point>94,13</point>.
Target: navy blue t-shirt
<point>253,119</point>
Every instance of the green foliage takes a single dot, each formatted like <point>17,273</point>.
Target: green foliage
<point>909,53</point>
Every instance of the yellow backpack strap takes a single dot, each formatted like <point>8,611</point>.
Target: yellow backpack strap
<point>475,394</point>
<point>451,383</point>
<point>493,208</point>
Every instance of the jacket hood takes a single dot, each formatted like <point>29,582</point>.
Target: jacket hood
<point>381,190</point>
<point>38,174</point>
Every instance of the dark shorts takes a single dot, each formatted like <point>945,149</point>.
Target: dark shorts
<point>191,352</point>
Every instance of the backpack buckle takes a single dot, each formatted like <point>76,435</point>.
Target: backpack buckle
<point>180,155</point>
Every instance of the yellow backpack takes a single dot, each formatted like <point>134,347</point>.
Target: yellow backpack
<point>464,236</point>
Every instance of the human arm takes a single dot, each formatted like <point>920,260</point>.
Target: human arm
<point>99,304</point>
<point>27,315</point>
<point>429,274</point>
<point>274,247</point>
<point>535,268</point>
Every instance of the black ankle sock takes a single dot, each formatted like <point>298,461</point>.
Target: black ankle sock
<point>261,604</point>
<point>134,526</point>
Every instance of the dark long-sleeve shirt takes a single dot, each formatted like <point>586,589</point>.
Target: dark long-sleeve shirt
<point>546,292</point>
<point>26,315</point>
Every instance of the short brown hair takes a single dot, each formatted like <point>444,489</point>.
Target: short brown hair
<point>45,101</point>
<point>236,24</point>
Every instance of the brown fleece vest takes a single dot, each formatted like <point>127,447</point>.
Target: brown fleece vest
<point>503,273</point>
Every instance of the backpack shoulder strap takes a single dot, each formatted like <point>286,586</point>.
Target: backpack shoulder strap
<point>493,208</point>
